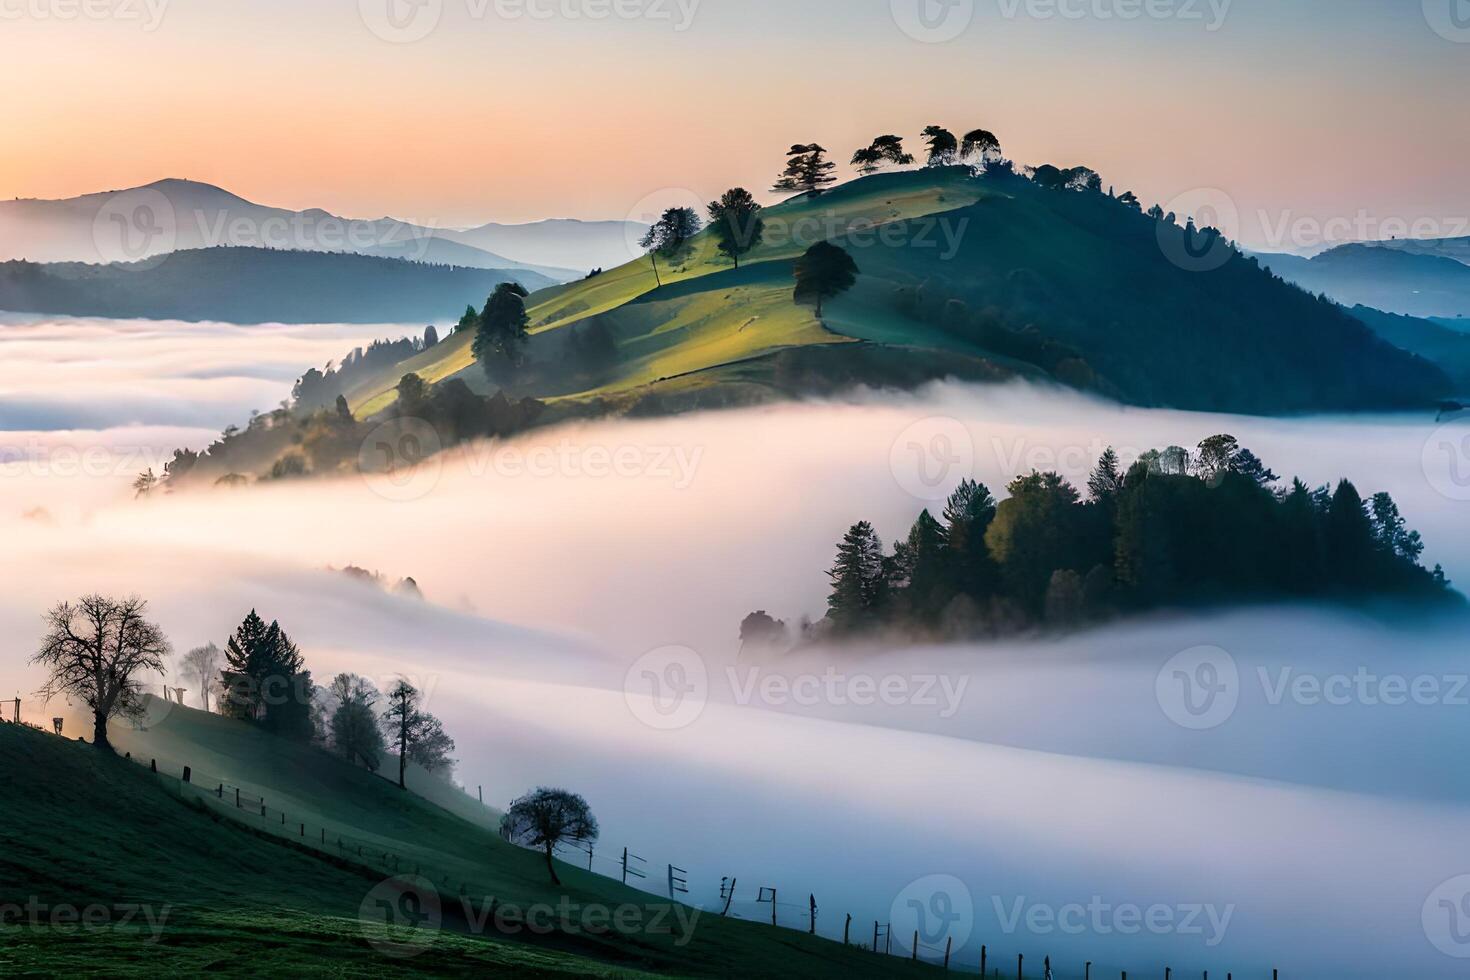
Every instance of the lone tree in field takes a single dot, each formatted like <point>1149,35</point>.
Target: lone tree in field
<point>201,665</point>
<point>825,271</point>
<point>669,235</point>
<point>546,818</point>
<point>500,336</point>
<point>808,171</point>
<point>418,735</point>
<point>94,649</point>
<point>736,222</point>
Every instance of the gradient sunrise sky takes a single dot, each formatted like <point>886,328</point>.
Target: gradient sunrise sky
<point>515,110</point>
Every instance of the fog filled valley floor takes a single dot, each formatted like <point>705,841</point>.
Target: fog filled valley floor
<point>1045,785</point>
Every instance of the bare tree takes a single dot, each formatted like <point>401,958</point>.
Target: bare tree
<point>548,817</point>
<point>202,665</point>
<point>420,736</point>
<point>94,649</point>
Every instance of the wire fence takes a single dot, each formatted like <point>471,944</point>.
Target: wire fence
<point>233,801</point>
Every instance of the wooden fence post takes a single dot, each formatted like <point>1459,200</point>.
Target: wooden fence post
<point>1020,959</point>
<point>875,935</point>
<point>237,797</point>
<point>914,953</point>
<point>948,944</point>
<point>153,765</point>
<point>846,928</point>
<point>982,960</point>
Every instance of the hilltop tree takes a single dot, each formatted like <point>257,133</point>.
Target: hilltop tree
<point>145,483</point>
<point>808,171</point>
<point>419,736</point>
<point>1036,531</point>
<point>470,320</point>
<point>201,665</point>
<point>825,271</point>
<point>93,651</point>
<point>500,338</point>
<point>412,394</point>
<point>669,235</point>
<point>857,577</point>
<point>943,147</point>
<point>967,516</point>
<point>923,567</point>
<point>884,149</point>
<point>548,817</point>
<point>736,222</point>
<point>1106,479</point>
<point>981,146</point>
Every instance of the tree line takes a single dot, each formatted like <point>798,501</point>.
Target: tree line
<point>1177,528</point>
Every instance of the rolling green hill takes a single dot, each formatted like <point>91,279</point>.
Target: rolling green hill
<point>960,276</point>
<point>248,894</point>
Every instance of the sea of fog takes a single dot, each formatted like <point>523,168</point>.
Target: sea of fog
<point>1234,791</point>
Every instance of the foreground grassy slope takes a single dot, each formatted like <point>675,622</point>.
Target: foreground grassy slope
<point>83,830</point>
<point>315,788</point>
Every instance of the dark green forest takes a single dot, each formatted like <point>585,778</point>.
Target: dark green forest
<point>1177,528</point>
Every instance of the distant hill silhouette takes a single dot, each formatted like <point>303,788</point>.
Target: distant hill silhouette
<point>1398,277</point>
<point>255,285</point>
<point>186,214</point>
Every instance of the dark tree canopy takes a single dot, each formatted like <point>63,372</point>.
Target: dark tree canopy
<point>736,223</point>
<point>669,236</point>
<point>93,650</point>
<point>353,725</point>
<point>808,171</point>
<point>883,150</point>
<point>825,271</point>
<point>944,149</point>
<point>501,335</point>
<point>418,735</point>
<point>1180,527</point>
<point>981,146</point>
<point>547,817</point>
<point>265,680</point>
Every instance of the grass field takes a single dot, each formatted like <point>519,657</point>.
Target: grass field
<point>706,314</point>
<point>241,893</point>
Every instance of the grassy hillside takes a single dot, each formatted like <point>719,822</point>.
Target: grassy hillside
<point>972,277</point>
<point>107,831</point>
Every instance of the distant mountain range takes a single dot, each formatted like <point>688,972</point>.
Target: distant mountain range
<point>256,285</point>
<point>1414,278</point>
<point>173,215</point>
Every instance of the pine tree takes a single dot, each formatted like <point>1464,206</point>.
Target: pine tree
<point>967,516</point>
<point>1106,479</point>
<point>857,577</point>
<point>808,171</point>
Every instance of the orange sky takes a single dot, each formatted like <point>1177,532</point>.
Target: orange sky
<point>1294,109</point>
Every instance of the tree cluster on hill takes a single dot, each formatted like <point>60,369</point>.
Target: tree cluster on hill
<point>1178,528</point>
<point>501,332</point>
<point>265,680</point>
<point>320,388</point>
